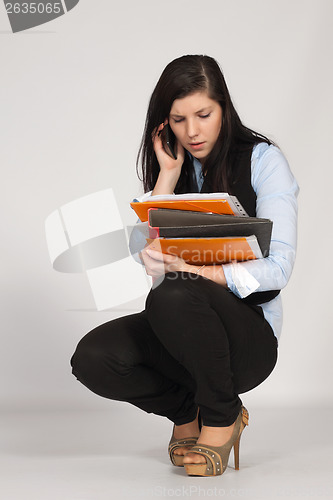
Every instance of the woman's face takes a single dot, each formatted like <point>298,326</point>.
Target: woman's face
<point>196,122</point>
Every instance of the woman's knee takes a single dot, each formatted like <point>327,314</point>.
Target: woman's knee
<point>88,357</point>
<point>114,346</point>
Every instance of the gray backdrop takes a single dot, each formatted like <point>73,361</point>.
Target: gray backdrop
<point>74,95</point>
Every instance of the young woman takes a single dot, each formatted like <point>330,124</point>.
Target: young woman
<point>207,333</point>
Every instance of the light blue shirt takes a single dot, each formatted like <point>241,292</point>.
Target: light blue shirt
<point>276,189</point>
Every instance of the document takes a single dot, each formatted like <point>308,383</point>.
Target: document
<point>218,203</point>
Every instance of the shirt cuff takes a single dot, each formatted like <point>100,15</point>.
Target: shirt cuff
<point>239,280</point>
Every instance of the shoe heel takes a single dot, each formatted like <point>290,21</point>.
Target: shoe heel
<point>236,452</point>
<point>244,423</point>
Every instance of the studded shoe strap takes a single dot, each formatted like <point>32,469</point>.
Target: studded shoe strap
<point>214,462</point>
<point>180,443</point>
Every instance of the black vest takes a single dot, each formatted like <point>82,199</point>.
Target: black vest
<point>242,188</point>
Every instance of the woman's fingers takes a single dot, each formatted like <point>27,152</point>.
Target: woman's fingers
<point>161,263</point>
<point>154,267</point>
<point>166,161</point>
<point>155,254</point>
<point>157,141</point>
<point>158,263</point>
<point>157,132</point>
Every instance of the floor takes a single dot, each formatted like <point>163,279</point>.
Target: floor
<point>122,453</point>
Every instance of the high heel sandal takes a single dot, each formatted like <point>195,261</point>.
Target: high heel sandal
<point>180,443</point>
<point>217,456</point>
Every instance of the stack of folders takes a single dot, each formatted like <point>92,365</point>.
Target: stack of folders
<point>202,237</point>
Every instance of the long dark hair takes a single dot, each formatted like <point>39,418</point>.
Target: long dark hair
<point>181,77</point>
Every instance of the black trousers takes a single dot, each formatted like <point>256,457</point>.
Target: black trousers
<point>194,345</point>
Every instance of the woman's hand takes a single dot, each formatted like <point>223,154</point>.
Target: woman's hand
<point>158,263</point>
<point>166,162</point>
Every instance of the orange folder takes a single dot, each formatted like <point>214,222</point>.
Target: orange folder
<point>219,206</point>
<point>199,251</point>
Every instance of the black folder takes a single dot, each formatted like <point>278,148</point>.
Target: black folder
<point>167,223</point>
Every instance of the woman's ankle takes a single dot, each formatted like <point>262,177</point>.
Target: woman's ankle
<point>188,429</point>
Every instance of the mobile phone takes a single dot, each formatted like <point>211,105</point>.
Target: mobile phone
<point>169,141</point>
